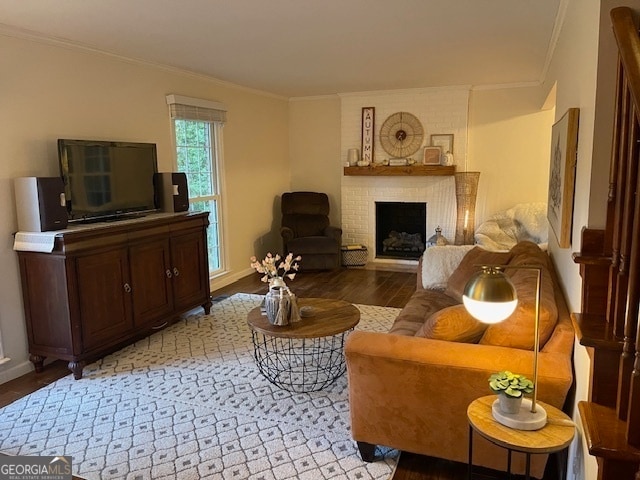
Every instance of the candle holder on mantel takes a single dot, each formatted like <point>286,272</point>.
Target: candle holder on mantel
<point>466,192</point>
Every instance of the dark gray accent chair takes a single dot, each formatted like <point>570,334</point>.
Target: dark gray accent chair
<point>306,231</point>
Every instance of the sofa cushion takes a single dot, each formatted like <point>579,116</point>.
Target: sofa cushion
<point>470,264</point>
<point>453,324</point>
<point>420,307</point>
<point>517,331</point>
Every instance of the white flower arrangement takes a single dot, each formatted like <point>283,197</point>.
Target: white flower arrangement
<point>272,269</point>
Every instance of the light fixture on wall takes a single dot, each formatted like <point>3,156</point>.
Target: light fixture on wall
<point>490,297</point>
<point>466,192</point>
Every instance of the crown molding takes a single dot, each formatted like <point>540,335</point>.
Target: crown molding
<point>505,86</point>
<point>404,91</point>
<point>555,35</point>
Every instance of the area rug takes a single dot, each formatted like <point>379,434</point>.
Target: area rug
<point>189,403</point>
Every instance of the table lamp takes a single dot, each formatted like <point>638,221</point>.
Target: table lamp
<point>490,297</point>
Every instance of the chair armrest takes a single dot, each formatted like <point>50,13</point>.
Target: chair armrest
<point>333,232</point>
<point>286,233</point>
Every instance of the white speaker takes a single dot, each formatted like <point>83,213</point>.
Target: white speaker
<point>40,204</point>
<point>172,193</point>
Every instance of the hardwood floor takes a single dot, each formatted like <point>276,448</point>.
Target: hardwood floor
<point>356,285</point>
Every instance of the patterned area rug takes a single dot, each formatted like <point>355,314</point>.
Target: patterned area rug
<point>189,403</point>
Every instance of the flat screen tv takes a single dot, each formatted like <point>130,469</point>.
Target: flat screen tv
<point>107,180</point>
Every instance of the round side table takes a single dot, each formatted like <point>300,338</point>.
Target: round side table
<point>308,355</point>
<point>554,437</point>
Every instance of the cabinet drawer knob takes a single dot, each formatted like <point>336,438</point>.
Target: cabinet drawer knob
<point>176,272</point>
<point>158,327</point>
<point>127,288</point>
<point>168,272</point>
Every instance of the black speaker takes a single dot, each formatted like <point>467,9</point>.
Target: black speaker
<point>40,204</point>
<point>172,193</point>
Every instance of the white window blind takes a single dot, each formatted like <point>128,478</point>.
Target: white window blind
<point>197,128</point>
<point>187,108</point>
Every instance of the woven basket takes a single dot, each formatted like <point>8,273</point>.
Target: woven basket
<point>466,192</point>
<point>354,257</point>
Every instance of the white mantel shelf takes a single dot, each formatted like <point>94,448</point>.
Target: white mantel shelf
<point>408,170</point>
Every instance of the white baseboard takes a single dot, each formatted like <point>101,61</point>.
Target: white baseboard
<point>228,278</point>
<point>16,371</point>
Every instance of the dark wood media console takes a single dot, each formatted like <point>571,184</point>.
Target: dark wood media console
<point>105,286</point>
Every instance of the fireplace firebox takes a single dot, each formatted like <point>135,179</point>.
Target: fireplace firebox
<point>400,229</point>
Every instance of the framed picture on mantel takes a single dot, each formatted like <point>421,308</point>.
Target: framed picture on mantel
<point>368,125</point>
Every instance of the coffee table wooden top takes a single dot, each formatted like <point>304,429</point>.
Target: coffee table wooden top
<point>553,437</point>
<point>329,317</point>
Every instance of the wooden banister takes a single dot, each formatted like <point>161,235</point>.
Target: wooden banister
<point>610,329</point>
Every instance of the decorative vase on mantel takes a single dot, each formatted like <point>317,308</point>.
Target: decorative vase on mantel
<point>281,306</point>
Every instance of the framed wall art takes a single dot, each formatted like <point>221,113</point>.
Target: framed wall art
<point>444,141</point>
<point>368,125</point>
<point>432,156</point>
<point>562,176</point>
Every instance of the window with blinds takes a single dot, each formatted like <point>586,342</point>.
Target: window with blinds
<point>197,128</point>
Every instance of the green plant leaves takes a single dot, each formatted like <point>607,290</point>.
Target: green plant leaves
<point>511,384</point>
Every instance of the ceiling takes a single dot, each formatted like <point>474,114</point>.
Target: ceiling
<point>296,48</point>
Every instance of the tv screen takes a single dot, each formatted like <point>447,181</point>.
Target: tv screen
<point>107,179</point>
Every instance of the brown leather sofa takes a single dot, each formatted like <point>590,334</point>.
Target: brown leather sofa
<point>409,388</point>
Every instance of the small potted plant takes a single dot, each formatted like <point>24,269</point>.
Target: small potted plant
<point>511,388</point>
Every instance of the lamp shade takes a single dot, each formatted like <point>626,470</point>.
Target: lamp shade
<point>490,296</point>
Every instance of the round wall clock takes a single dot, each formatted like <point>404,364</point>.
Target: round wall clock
<point>401,134</point>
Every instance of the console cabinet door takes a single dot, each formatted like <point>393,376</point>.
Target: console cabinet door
<point>104,294</point>
<point>190,269</point>
<point>151,281</point>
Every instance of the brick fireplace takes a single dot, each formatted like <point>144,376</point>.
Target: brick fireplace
<point>441,111</point>
<point>360,195</point>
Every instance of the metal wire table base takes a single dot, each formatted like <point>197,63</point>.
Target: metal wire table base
<point>300,364</point>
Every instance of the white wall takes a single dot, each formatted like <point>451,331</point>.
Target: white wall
<point>439,110</point>
<point>573,70</point>
<point>314,146</point>
<point>509,143</point>
<point>52,91</point>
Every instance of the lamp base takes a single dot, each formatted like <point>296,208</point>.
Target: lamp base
<point>524,419</point>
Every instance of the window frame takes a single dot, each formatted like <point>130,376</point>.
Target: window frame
<point>216,159</point>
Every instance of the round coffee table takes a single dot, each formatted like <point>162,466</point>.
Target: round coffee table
<point>308,355</point>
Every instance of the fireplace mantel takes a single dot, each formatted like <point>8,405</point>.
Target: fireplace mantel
<point>408,170</point>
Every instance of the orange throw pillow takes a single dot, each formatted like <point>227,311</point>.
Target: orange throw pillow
<point>517,330</point>
<point>469,265</point>
<point>453,324</point>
